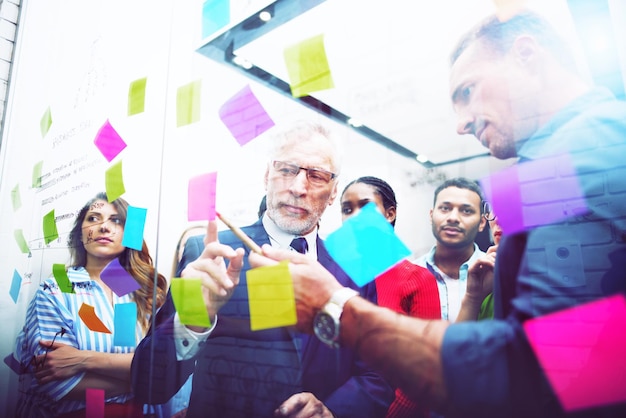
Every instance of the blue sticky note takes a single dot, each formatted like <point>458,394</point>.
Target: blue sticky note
<point>133,228</point>
<point>366,245</point>
<point>124,321</point>
<point>215,15</point>
<point>16,283</point>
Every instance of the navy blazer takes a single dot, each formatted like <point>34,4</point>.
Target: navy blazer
<point>241,373</point>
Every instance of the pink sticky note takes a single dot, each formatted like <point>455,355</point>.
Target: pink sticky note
<point>201,197</point>
<point>581,351</point>
<point>109,142</point>
<point>244,116</point>
<point>94,399</point>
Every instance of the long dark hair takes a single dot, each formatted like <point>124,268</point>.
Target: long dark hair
<point>138,263</point>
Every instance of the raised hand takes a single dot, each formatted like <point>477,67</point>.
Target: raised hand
<point>218,280</point>
<point>480,275</point>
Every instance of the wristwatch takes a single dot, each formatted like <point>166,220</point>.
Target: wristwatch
<point>326,321</point>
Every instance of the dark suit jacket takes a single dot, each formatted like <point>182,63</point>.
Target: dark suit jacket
<point>241,373</point>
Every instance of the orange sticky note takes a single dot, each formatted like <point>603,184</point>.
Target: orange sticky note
<point>88,315</point>
<point>271,298</point>
<point>307,67</point>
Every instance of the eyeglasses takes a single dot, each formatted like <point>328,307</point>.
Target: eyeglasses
<point>315,176</point>
<point>488,212</point>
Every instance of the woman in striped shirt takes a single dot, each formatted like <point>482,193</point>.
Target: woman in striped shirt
<point>61,354</point>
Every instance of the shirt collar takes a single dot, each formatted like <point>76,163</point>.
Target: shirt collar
<point>282,239</point>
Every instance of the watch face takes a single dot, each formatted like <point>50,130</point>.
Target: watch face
<point>325,327</point>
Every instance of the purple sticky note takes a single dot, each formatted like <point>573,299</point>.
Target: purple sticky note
<point>201,197</point>
<point>109,142</point>
<point>535,193</point>
<point>13,364</point>
<point>94,400</point>
<point>119,280</point>
<point>244,116</point>
<point>581,351</point>
<point>133,228</point>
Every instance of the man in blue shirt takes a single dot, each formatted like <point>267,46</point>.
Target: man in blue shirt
<point>456,218</point>
<point>514,87</point>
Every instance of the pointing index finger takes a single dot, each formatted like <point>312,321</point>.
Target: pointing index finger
<point>211,233</point>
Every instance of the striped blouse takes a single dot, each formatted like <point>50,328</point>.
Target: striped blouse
<point>48,313</point>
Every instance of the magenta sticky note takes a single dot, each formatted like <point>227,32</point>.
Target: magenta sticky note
<point>201,197</point>
<point>118,279</point>
<point>535,193</point>
<point>581,351</point>
<point>109,142</point>
<point>94,400</point>
<point>244,116</point>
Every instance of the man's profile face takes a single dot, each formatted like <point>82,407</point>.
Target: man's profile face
<point>485,91</point>
<point>296,204</point>
<point>456,217</point>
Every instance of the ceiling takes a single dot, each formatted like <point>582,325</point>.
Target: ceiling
<point>388,60</point>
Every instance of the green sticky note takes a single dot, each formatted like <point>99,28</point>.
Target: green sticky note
<point>45,122</point>
<point>188,103</point>
<point>21,241</point>
<point>114,181</point>
<point>16,199</point>
<point>189,303</point>
<point>50,232</point>
<point>307,67</point>
<point>62,279</point>
<point>37,174</point>
<point>271,297</point>
<point>137,96</point>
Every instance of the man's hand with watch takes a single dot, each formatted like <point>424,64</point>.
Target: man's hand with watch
<point>326,323</point>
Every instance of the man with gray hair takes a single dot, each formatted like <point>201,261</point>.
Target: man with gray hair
<point>278,371</point>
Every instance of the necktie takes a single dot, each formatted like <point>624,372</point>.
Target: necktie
<point>300,245</point>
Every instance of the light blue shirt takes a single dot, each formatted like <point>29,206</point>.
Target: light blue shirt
<point>445,298</point>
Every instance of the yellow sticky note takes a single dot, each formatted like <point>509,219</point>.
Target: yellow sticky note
<point>45,122</point>
<point>137,96</point>
<point>271,297</point>
<point>189,303</point>
<point>188,103</point>
<point>21,241</point>
<point>114,181</point>
<point>307,66</point>
<point>50,232</point>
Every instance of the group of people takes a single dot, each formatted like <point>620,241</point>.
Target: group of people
<point>408,344</point>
